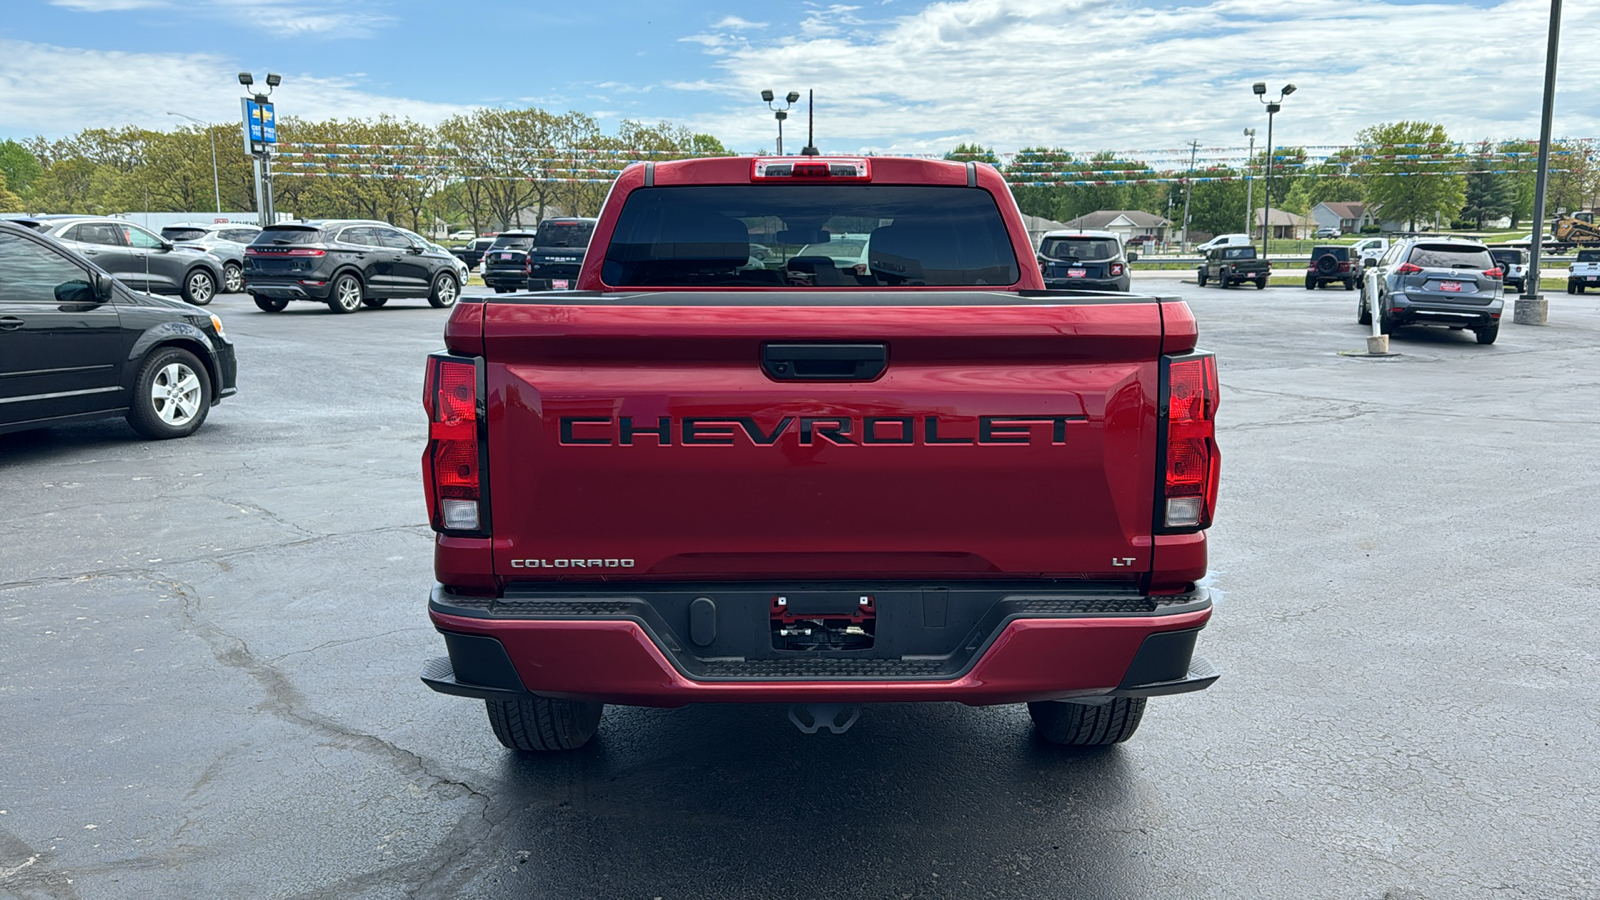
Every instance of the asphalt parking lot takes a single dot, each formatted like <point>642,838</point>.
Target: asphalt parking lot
<point>211,650</point>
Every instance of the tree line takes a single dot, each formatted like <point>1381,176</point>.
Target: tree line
<point>1464,185</point>
<point>482,170</point>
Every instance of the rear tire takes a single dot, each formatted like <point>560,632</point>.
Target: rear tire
<point>346,294</point>
<point>542,723</point>
<point>374,302</point>
<point>1261,284</point>
<point>1083,725</point>
<point>271,304</point>
<point>1349,284</point>
<point>1572,288</point>
<point>232,278</point>
<point>1311,283</point>
<point>1363,316</point>
<point>1488,334</point>
<point>1201,277</point>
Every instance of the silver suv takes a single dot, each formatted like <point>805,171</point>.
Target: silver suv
<point>225,240</point>
<point>1437,281</point>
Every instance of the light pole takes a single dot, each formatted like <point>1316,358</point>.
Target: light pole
<point>780,113</point>
<point>216,183</point>
<point>262,158</point>
<point>1249,178</point>
<point>1260,89</point>
<point>1188,191</point>
<point>1531,309</point>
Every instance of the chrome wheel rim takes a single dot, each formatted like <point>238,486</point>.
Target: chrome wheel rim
<point>200,287</point>
<point>349,293</point>
<point>447,290</point>
<point>175,394</point>
<point>234,276</point>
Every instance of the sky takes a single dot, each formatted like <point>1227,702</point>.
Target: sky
<point>890,75</point>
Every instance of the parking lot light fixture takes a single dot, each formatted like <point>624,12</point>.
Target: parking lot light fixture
<point>780,112</point>
<point>1260,90</point>
<point>246,79</point>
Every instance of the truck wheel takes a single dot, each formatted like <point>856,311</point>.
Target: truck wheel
<point>1349,284</point>
<point>543,723</point>
<point>346,295</point>
<point>1201,277</point>
<point>1311,283</point>
<point>1083,725</point>
<point>1487,334</point>
<point>171,395</point>
<point>271,304</point>
<point>1572,287</point>
<point>444,293</point>
<point>1261,284</point>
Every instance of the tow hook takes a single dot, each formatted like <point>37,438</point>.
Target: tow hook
<point>824,715</point>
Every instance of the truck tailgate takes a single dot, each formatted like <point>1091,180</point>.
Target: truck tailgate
<point>640,437</point>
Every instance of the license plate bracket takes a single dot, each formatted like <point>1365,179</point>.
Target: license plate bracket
<point>1453,287</point>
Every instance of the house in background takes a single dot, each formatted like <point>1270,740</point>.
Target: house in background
<point>1037,227</point>
<point>1127,222</point>
<point>1351,217</point>
<point>1285,225</point>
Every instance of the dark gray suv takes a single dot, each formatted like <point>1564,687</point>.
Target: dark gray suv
<point>136,257</point>
<point>1437,281</point>
<point>347,264</point>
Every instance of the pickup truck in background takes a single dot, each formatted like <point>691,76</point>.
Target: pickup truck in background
<point>1584,273</point>
<point>1231,265</point>
<point>712,474</point>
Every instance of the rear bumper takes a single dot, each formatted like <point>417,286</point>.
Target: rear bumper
<point>286,288</point>
<point>1408,309</point>
<point>619,648</point>
<point>503,278</point>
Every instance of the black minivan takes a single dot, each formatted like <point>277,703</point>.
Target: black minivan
<point>77,344</point>
<point>346,264</point>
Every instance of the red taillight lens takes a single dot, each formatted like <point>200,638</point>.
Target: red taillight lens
<point>1117,269</point>
<point>452,462</point>
<point>1193,462</point>
<point>1407,269</point>
<point>1495,273</point>
<point>274,251</point>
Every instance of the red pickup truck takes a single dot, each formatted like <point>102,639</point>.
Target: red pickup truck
<point>811,431</point>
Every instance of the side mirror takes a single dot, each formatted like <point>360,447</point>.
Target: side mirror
<point>414,250</point>
<point>102,286</point>
<point>167,246</point>
<point>1133,257</point>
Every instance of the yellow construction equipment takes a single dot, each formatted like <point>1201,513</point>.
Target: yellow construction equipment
<point>1577,229</point>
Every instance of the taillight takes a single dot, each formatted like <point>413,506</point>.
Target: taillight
<point>1193,462</point>
<point>452,463</point>
<point>1407,269</point>
<point>1495,273</point>
<point>836,168</point>
<point>1116,269</point>
<point>274,251</point>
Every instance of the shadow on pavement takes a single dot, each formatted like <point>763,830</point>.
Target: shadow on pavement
<point>733,801</point>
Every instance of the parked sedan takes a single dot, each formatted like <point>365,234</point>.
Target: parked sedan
<point>346,264</point>
<point>77,344</point>
<point>136,257</point>
<point>1437,281</point>
<point>224,240</point>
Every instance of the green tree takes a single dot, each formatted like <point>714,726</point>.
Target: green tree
<point>1489,195</point>
<point>9,202</point>
<point>1411,190</point>
<point>973,153</point>
<point>19,167</point>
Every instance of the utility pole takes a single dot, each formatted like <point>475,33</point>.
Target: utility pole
<point>1188,191</point>
<point>1249,179</point>
<point>1532,309</point>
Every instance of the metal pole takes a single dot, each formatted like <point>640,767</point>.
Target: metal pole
<point>1266,214</point>
<point>780,134</point>
<point>216,183</point>
<point>1531,309</point>
<point>1249,180</point>
<point>261,203</point>
<point>1188,191</point>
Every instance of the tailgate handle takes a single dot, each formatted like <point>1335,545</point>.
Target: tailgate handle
<point>824,362</point>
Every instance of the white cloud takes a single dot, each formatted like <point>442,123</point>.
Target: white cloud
<point>291,17</point>
<point>1087,74</point>
<point>737,23</point>
<point>56,91</point>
